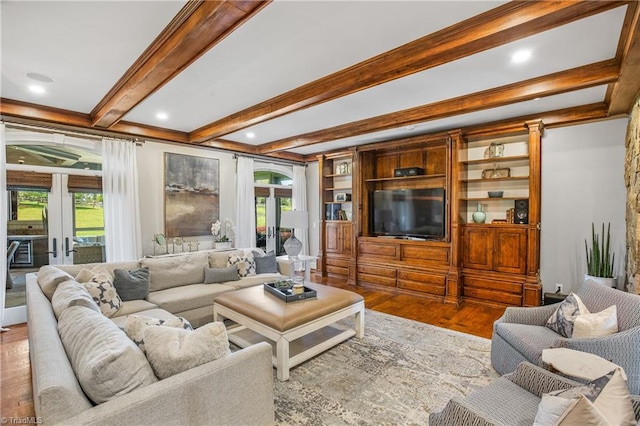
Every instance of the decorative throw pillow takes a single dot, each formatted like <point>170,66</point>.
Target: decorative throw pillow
<point>106,362</point>
<point>596,324</point>
<point>131,285</point>
<point>104,294</point>
<point>563,318</point>
<point>173,350</point>
<point>265,263</point>
<point>246,264</point>
<point>221,275</point>
<point>71,293</point>
<point>136,324</point>
<point>604,401</point>
<point>85,275</point>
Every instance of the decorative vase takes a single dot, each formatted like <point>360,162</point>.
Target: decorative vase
<point>221,245</point>
<point>608,282</point>
<point>479,216</point>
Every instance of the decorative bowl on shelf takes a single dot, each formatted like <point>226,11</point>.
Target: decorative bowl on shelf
<point>495,194</point>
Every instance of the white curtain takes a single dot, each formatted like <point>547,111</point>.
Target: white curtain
<point>299,202</point>
<point>245,204</point>
<point>3,220</point>
<point>121,209</point>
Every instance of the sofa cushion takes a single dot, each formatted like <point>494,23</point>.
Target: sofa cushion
<point>221,275</point>
<point>561,321</point>
<point>104,294</point>
<point>218,259</point>
<point>265,263</point>
<point>254,280</point>
<point>71,293</point>
<point>529,339</point>
<point>49,277</point>
<point>596,324</point>
<point>86,274</point>
<point>106,362</point>
<point>74,270</point>
<point>136,324</point>
<point>121,321</point>
<point>173,350</point>
<point>133,307</point>
<point>245,263</point>
<point>185,298</point>
<point>131,285</point>
<point>174,271</point>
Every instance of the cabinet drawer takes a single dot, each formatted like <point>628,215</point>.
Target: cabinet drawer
<point>506,286</point>
<point>340,262</point>
<point>425,255</point>
<point>376,279</point>
<point>493,296</point>
<point>372,270</point>
<point>338,270</point>
<point>389,251</point>
<point>419,281</point>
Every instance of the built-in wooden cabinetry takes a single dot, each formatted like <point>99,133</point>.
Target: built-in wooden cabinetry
<point>495,262</point>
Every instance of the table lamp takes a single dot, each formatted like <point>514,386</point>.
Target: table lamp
<point>294,219</point>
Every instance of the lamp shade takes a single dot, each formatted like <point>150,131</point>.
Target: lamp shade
<point>295,219</point>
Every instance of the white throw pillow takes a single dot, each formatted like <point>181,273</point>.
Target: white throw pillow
<point>71,293</point>
<point>104,293</point>
<point>106,362</point>
<point>245,263</point>
<point>174,350</point>
<point>604,401</point>
<point>136,324</point>
<point>596,324</point>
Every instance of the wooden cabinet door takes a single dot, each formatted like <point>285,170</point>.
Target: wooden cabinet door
<point>332,245</point>
<point>510,249</point>
<point>346,239</point>
<point>477,248</point>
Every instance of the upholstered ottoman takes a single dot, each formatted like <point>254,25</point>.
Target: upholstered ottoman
<point>298,330</point>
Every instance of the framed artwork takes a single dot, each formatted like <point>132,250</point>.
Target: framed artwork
<point>191,195</point>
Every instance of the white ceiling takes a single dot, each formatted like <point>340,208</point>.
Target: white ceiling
<point>86,46</point>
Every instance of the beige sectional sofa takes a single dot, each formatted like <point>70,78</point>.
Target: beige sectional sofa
<point>234,389</point>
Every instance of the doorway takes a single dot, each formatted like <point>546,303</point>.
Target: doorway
<point>272,197</point>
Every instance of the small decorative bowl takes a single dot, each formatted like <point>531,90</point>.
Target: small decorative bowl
<point>495,194</point>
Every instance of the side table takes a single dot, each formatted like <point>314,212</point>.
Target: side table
<point>306,260</point>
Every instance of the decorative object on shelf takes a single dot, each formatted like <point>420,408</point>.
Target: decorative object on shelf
<point>332,211</point>
<point>222,232</point>
<point>521,211</point>
<point>342,196</point>
<point>495,150</point>
<point>160,240</point>
<point>178,241</point>
<point>495,194</point>
<point>479,216</point>
<point>510,215</point>
<point>496,173</point>
<point>222,245</point>
<point>499,221</point>
<point>344,168</point>
<point>294,219</point>
<point>600,259</point>
<point>183,187</point>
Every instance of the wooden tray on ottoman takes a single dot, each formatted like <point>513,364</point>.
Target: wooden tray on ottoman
<point>287,295</point>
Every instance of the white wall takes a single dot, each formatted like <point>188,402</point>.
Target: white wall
<point>582,182</point>
<point>313,207</point>
<point>151,188</point>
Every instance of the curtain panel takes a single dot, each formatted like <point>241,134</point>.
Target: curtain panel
<point>3,219</point>
<point>120,194</point>
<point>299,202</point>
<point>245,204</point>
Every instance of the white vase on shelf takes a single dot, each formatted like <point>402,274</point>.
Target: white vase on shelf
<point>221,245</point>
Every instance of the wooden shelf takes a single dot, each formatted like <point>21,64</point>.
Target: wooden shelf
<point>494,199</point>
<point>438,176</point>
<point>338,202</point>
<point>503,179</point>
<point>338,175</point>
<point>338,189</point>
<point>515,158</point>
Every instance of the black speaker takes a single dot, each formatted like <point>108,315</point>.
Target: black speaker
<point>521,211</point>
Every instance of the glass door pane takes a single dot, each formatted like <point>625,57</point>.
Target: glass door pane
<point>261,223</point>
<point>88,228</point>
<point>283,204</point>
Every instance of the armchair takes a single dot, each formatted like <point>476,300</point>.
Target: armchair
<point>520,334</point>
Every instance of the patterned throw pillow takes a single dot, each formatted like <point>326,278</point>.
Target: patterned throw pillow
<point>104,294</point>
<point>563,318</point>
<point>246,264</point>
<point>136,324</point>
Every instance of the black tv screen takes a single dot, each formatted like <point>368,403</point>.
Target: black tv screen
<point>408,212</point>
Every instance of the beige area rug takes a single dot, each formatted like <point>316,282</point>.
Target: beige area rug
<point>400,372</point>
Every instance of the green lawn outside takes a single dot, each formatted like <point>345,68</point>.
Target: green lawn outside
<point>86,217</point>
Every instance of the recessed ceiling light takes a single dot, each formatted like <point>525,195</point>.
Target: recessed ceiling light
<point>40,77</point>
<point>162,116</point>
<point>36,89</point>
<point>410,127</point>
<point>521,56</point>
<point>536,99</point>
<point>251,135</point>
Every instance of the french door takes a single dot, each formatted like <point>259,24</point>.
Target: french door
<point>270,203</point>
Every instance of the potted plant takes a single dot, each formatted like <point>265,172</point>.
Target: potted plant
<point>221,232</point>
<point>600,260</point>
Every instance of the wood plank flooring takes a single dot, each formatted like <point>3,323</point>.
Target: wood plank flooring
<point>16,400</point>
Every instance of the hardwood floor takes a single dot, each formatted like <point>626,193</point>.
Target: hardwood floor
<point>15,381</point>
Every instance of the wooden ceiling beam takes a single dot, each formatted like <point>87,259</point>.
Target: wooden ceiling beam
<point>496,27</point>
<point>552,84</point>
<point>196,28</point>
<point>622,93</point>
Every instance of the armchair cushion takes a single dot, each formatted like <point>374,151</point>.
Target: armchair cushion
<point>529,339</point>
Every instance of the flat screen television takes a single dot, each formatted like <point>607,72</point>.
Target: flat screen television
<point>408,213</point>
